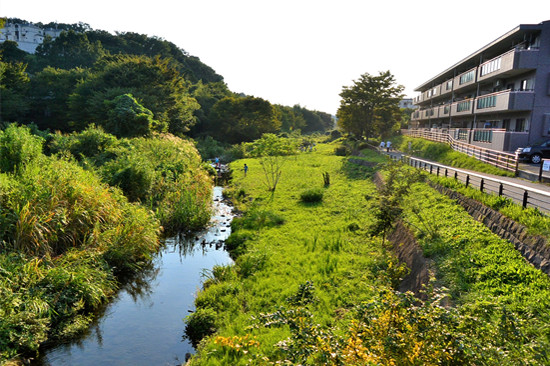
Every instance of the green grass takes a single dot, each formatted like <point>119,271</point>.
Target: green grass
<point>534,220</point>
<point>443,153</point>
<point>310,244</point>
<point>317,288</point>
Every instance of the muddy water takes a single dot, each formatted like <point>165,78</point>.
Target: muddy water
<point>144,325</point>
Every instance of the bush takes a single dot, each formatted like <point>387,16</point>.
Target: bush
<point>92,143</point>
<point>18,147</point>
<point>200,324</point>
<point>342,151</point>
<point>312,195</point>
<point>236,242</point>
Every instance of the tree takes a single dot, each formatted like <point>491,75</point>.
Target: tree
<point>128,118</point>
<point>14,83</point>
<point>157,86</point>
<point>240,119</point>
<point>69,50</point>
<point>272,152</point>
<point>369,105</point>
<point>49,92</point>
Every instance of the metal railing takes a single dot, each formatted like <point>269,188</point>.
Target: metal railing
<point>500,159</point>
<point>524,195</point>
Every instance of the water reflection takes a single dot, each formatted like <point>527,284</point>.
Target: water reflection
<point>143,325</point>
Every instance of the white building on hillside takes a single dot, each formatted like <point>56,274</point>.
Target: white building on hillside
<point>27,36</point>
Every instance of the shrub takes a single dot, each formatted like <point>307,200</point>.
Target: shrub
<point>235,244</point>
<point>18,147</point>
<point>313,195</point>
<point>342,151</point>
<point>200,324</point>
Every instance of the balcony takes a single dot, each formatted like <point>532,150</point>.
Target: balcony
<point>516,59</point>
<point>465,79</point>
<point>462,108</point>
<point>504,101</point>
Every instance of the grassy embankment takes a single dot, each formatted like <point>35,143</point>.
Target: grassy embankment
<point>66,235</point>
<point>313,285</point>
<point>443,153</point>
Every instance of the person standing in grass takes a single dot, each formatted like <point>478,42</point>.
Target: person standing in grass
<point>388,146</point>
<point>382,145</point>
<point>245,169</point>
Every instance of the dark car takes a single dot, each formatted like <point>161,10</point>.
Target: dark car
<point>534,152</point>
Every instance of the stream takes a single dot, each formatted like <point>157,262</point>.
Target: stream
<point>143,324</point>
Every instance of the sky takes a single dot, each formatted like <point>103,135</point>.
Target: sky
<point>304,51</point>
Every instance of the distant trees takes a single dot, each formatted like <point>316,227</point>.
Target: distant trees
<point>14,84</point>
<point>240,119</point>
<point>153,82</point>
<point>69,50</point>
<point>131,84</point>
<point>370,106</point>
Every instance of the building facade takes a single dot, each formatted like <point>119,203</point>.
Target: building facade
<point>498,97</point>
<point>27,36</point>
<point>407,103</point>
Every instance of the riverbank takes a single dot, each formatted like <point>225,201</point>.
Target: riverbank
<point>315,282</point>
<point>155,302</point>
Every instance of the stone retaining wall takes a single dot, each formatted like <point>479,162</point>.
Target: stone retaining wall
<point>535,249</point>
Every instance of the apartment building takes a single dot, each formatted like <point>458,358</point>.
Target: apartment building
<point>28,36</point>
<point>498,97</point>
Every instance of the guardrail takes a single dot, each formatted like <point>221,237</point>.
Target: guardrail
<point>500,159</point>
<point>519,193</point>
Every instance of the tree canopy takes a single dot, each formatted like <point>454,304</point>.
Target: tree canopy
<point>72,81</point>
<point>369,107</point>
<point>153,82</point>
<point>236,120</point>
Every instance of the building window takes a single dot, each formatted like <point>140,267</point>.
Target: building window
<point>463,106</point>
<point>520,125</point>
<point>449,85</point>
<point>446,109</point>
<point>491,66</point>
<point>527,85</point>
<point>467,77</point>
<point>487,102</point>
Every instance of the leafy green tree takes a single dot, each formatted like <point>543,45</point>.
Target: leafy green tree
<point>157,85</point>
<point>10,52</point>
<point>141,44</point>
<point>49,92</point>
<point>236,120</point>
<point>207,94</point>
<point>291,120</point>
<point>369,105</point>
<point>14,83</point>
<point>272,152</point>
<point>128,118</point>
<point>69,50</point>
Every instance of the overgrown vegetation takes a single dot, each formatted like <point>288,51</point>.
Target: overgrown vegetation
<point>444,154</point>
<point>74,221</point>
<point>536,222</point>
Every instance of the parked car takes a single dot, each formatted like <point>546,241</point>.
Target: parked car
<point>534,153</point>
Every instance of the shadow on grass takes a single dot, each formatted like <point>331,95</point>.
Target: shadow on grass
<point>356,171</point>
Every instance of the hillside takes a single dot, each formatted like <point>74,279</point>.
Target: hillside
<point>74,80</point>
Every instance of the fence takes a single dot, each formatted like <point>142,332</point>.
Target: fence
<point>519,193</point>
<point>496,158</point>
